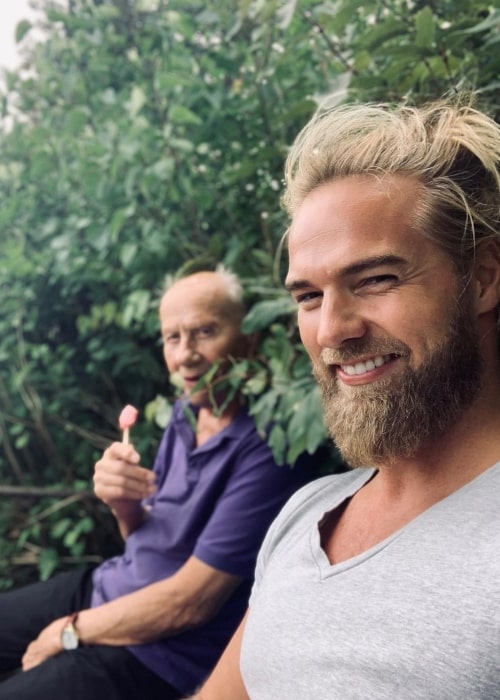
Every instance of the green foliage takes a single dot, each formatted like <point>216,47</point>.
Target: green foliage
<point>139,136</point>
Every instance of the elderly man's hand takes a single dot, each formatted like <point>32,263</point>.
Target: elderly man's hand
<point>47,644</point>
<point>121,483</point>
<point>119,480</point>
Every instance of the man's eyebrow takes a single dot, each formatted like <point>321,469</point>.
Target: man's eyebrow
<point>190,327</point>
<point>375,261</point>
<point>297,285</point>
<point>355,269</point>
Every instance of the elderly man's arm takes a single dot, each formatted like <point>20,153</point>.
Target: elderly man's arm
<point>189,598</point>
<point>225,682</point>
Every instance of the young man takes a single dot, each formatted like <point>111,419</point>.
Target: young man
<point>152,622</point>
<point>383,582</point>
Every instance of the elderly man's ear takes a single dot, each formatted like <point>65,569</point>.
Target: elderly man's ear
<point>486,277</point>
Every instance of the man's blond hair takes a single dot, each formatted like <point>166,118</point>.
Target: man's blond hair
<point>450,147</point>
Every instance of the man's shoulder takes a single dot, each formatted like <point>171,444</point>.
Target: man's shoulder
<point>312,500</point>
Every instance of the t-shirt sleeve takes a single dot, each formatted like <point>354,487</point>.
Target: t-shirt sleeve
<point>253,494</point>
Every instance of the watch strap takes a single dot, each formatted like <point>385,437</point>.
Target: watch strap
<point>72,619</point>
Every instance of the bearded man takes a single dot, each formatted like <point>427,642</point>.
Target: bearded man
<point>383,582</point>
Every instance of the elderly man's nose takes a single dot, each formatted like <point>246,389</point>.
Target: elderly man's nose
<point>188,354</point>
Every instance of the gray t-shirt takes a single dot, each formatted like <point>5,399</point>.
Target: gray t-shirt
<point>415,617</point>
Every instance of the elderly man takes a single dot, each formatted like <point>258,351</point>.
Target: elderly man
<point>152,622</point>
<point>383,582</point>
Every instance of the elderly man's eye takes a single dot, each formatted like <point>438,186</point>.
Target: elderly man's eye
<point>206,331</point>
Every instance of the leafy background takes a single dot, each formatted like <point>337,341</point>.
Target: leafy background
<point>142,136</point>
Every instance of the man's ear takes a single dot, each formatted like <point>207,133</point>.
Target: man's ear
<point>486,276</point>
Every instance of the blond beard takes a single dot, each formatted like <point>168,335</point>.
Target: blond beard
<point>384,420</point>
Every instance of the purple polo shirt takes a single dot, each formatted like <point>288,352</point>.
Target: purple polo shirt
<point>215,502</point>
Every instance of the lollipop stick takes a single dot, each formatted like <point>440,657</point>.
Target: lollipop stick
<point>125,436</point>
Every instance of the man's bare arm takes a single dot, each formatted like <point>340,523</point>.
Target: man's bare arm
<point>188,599</point>
<point>225,682</point>
<point>185,600</point>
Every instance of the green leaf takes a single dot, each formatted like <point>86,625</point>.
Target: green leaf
<point>256,385</point>
<point>128,253</point>
<point>297,448</point>
<point>263,410</point>
<point>61,527</point>
<point>22,28</point>
<point>262,314</point>
<point>492,22</point>
<point>160,410</point>
<point>22,441</point>
<point>47,563</point>
<point>277,443</point>
<point>285,14</point>
<point>137,101</point>
<point>425,28</point>
<point>182,115</point>
<point>76,120</point>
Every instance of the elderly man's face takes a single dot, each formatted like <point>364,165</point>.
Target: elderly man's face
<point>396,357</point>
<point>197,331</point>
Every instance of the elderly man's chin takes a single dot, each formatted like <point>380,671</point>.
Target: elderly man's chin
<point>207,397</point>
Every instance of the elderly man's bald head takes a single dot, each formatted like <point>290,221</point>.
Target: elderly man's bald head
<point>219,290</point>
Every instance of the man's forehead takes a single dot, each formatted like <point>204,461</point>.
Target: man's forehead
<point>187,325</point>
<point>350,212</point>
<point>191,314</point>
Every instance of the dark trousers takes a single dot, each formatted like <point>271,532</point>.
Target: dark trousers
<point>95,672</point>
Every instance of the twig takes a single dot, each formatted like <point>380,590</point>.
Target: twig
<point>42,492</point>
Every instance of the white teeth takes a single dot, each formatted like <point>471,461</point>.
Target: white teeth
<point>361,367</point>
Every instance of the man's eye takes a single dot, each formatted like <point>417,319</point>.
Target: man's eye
<point>171,338</point>
<point>205,331</point>
<point>379,282</point>
<point>306,298</point>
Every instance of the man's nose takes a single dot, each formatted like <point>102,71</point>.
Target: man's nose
<point>187,351</point>
<point>340,320</point>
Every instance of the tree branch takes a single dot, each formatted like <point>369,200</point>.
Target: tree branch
<point>41,492</point>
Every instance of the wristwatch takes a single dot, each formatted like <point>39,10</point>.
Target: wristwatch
<point>69,635</point>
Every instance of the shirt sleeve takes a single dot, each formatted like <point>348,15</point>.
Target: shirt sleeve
<point>253,494</point>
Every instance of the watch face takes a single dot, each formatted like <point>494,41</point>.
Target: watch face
<point>69,638</point>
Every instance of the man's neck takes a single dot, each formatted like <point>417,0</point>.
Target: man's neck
<point>405,487</point>
<point>211,421</point>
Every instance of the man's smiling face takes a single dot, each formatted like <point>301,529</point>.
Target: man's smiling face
<point>379,317</point>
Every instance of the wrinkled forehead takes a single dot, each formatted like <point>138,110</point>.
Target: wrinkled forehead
<point>194,305</point>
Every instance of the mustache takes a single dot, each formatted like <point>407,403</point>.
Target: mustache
<point>363,347</point>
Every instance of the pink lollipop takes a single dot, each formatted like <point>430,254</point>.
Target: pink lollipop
<point>127,418</point>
